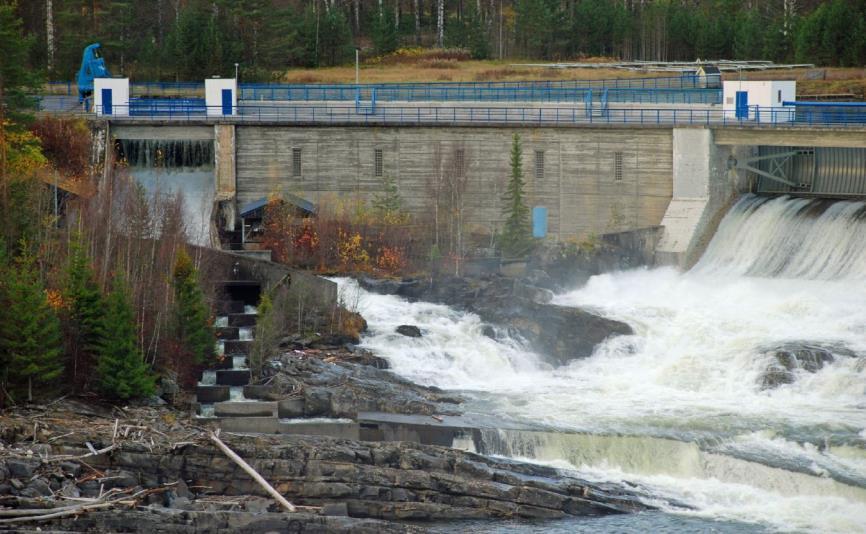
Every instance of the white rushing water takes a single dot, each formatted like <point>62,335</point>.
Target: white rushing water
<point>679,406</point>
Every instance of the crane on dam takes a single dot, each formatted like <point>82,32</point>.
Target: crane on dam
<point>92,67</point>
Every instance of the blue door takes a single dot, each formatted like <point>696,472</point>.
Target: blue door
<point>227,101</point>
<point>106,102</point>
<point>742,111</point>
<point>539,222</point>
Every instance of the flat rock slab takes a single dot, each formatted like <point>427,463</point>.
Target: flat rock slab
<point>245,409</point>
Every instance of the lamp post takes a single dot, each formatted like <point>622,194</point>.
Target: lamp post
<point>357,67</point>
<point>236,71</point>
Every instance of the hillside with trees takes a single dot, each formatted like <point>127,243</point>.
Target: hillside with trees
<point>191,39</point>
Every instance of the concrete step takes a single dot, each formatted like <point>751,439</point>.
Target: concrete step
<point>258,424</point>
<point>227,332</point>
<point>245,409</point>
<point>238,347</point>
<point>233,377</point>
<point>242,319</point>
<point>210,394</point>
<point>225,307</point>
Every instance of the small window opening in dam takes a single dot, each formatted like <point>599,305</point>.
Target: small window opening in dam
<point>166,153</point>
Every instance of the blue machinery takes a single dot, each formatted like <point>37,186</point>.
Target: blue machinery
<point>92,66</point>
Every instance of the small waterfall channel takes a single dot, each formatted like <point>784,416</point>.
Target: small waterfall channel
<point>682,408</point>
<point>166,167</point>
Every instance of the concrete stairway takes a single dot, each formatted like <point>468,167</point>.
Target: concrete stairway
<point>221,392</point>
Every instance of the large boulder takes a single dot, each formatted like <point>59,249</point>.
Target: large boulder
<point>409,330</point>
<point>562,334</point>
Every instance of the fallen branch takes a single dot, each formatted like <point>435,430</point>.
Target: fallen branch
<point>93,452</point>
<point>253,473</point>
<point>71,511</point>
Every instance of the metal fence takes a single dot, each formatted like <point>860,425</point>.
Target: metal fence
<point>488,115</point>
<point>478,92</point>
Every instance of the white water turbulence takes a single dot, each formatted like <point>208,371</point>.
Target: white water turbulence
<point>681,407</point>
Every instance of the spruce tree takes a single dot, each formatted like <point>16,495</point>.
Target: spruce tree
<point>30,331</point>
<point>516,238</point>
<point>191,318</point>
<point>120,368</point>
<point>85,310</point>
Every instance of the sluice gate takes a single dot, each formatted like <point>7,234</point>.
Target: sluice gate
<point>808,171</point>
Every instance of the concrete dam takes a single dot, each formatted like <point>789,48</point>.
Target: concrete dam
<point>592,177</point>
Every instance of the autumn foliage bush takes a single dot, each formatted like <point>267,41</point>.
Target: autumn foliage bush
<point>342,238</point>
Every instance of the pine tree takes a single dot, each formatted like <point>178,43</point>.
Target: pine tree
<point>516,238</point>
<point>85,310</point>
<point>384,32</point>
<point>388,205</point>
<point>120,368</point>
<point>191,318</point>
<point>30,331</point>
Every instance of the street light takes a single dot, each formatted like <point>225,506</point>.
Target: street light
<point>357,68</point>
<point>236,70</point>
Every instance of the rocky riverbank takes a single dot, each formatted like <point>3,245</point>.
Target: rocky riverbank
<point>146,469</point>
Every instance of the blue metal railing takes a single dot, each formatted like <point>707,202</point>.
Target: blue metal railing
<point>153,107</point>
<point>835,112</point>
<point>489,115</point>
<point>476,92</point>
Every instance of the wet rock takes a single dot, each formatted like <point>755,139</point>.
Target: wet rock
<point>336,509</point>
<point>37,488</point>
<point>344,388</point>
<point>789,358</point>
<point>22,468</point>
<point>16,484</point>
<point>488,331</point>
<point>69,489</point>
<point>560,333</point>
<point>409,330</point>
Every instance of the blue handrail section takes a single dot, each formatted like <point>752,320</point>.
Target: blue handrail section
<point>475,92</point>
<point>340,114</point>
<point>831,112</point>
<point>166,107</point>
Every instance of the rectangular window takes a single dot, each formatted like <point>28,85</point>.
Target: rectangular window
<point>539,164</point>
<point>296,162</point>
<point>780,95</point>
<point>459,168</point>
<point>377,156</point>
<point>617,166</point>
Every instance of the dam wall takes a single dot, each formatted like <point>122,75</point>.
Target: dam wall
<point>591,181</point>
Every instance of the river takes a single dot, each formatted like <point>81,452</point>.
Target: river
<point>679,408</point>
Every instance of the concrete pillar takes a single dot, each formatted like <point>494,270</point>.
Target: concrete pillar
<point>703,189</point>
<point>225,172</point>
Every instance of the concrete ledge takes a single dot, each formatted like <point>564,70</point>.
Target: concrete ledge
<point>210,394</point>
<point>227,332</point>
<point>237,347</point>
<point>375,426</point>
<point>242,319</point>
<point>336,429</point>
<point>233,377</point>
<point>245,409</point>
<point>251,425</point>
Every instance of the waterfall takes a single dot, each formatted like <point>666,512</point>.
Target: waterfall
<point>787,237</point>
<point>681,407</point>
<point>166,153</point>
